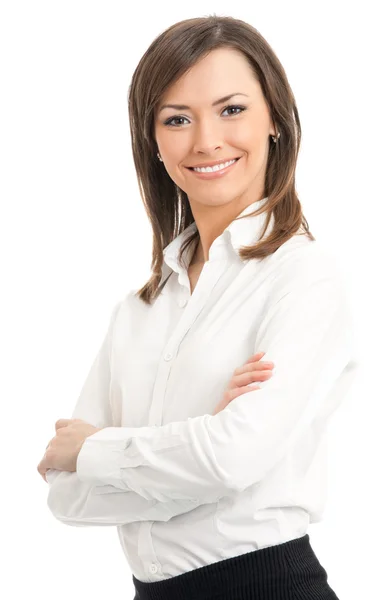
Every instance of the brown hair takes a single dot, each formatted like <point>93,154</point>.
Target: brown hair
<point>169,56</point>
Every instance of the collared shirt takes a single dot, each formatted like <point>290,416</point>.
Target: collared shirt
<point>184,487</point>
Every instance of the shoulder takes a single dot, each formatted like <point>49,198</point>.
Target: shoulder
<point>300,263</point>
<point>122,305</point>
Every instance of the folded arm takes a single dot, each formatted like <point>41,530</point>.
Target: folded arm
<point>307,333</point>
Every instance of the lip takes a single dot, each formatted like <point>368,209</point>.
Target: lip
<point>215,174</point>
<point>213,162</point>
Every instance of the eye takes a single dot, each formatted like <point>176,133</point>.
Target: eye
<point>180,118</point>
<point>170,121</point>
<point>241,109</point>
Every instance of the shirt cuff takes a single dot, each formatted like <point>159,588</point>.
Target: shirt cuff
<point>102,457</point>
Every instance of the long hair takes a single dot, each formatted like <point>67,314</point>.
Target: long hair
<point>169,57</point>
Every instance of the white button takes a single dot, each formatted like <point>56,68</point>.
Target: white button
<point>182,302</point>
<point>153,568</point>
<point>168,356</point>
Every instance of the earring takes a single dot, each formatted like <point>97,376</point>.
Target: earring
<point>275,139</point>
<point>159,157</point>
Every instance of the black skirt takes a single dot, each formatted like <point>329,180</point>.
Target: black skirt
<point>288,571</point>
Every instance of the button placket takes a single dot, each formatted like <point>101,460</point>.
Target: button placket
<point>195,305</point>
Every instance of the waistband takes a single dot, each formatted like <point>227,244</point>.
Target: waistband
<point>271,573</point>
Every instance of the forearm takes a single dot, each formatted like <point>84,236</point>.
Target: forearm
<point>79,504</point>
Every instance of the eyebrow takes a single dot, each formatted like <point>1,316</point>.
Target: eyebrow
<point>185,107</point>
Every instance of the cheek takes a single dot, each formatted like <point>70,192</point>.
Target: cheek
<point>246,140</point>
<point>175,155</point>
<point>249,135</point>
<point>176,172</point>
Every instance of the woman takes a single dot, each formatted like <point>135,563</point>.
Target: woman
<point>212,484</point>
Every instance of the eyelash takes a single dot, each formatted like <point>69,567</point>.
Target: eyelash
<point>242,109</point>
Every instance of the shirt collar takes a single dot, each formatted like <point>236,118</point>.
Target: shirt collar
<point>240,232</point>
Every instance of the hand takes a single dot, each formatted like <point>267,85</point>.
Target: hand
<point>62,451</point>
<point>252,370</point>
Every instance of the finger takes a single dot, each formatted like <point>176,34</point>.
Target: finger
<point>49,443</point>
<point>249,377</point>
<point>42,469</point>
<point>238,391</point>
<point>255,357</point>
<point>47,461</point>
<point>245,380</point>
<point>62,423</point>
<point>250,388</point>
<point>255,366</point>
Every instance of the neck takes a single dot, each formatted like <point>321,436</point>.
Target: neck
<point>211,221</point>
<point>198,256</point>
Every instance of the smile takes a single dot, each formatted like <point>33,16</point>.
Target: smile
<point>215,171</point>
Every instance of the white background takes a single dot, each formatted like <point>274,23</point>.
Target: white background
<point>74,239</point>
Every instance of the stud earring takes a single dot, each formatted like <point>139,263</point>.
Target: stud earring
<point>159,157</point>
<point>275,139</point>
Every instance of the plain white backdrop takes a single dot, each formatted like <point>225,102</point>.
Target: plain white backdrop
<point>74,239</point>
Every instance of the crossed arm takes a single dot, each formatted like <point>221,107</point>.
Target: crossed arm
<point>124,474</point>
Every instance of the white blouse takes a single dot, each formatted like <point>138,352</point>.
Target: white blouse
<point>183,487</point>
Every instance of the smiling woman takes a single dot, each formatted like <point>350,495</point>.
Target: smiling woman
<point>215,129</point>
<point>224,97</point>
<point>215,502</point>
<point>230,143</point>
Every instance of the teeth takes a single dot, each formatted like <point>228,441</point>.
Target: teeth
<point>215,168</point>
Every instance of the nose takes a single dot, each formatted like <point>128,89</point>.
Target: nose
<point>207,138</point>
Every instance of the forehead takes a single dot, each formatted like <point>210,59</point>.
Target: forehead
<point>222,71</point>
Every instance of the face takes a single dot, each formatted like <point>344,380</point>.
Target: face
<point>204,131</point>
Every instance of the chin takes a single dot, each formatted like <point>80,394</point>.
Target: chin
<point>218,200</point>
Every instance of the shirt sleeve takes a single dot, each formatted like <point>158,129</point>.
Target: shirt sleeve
<point>78,503</point>
<point>307,332</point>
